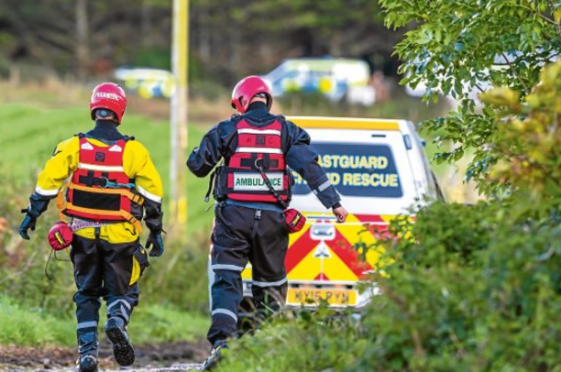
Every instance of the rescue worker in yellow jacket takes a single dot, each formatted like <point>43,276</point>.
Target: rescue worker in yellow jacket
<point>112,185</point>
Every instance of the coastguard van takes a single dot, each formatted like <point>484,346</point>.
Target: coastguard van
<point>380,170</point>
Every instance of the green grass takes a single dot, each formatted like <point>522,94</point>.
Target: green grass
<point>156,323</point>
<point>22,325</point>
<point>30,327</point>
<point>30,133</point>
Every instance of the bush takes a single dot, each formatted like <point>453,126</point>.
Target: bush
<point>473,291</point>
<point>469,291</point>
<point>307,343</point>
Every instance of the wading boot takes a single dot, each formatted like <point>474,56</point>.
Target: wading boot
<point>87,347</point>
<point>87,363</point>
<point>214,356</point>
<point>122,348</point>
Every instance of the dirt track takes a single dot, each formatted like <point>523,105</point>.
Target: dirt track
<point>181,356</point>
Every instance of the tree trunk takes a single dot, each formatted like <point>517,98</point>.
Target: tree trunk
<point>82,48</point>
<point>146,24</point>
<point>204,34</point>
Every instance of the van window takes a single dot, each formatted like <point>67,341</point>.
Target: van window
<point>366,170</point>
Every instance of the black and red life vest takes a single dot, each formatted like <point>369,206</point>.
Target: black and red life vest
<point>99,189</point>
<point>240,178</point>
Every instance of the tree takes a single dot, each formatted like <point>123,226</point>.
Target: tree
<point>229,38</point>
<point>457,47</point>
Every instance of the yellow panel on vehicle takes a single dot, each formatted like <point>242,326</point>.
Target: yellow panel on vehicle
<point>310,296</point>
<point>324,251</point>
<point>354,231</point>
<point>312,268</point>
<point>344,123</point>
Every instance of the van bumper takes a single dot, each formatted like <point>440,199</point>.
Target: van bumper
<point>363,293</point>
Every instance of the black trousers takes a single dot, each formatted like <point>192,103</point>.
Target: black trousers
<point>241,235</point>
<point>102,269</point>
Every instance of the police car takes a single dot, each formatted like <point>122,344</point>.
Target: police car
<point>380,170</point>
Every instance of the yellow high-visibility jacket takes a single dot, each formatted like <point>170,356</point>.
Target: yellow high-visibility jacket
<point>137,165</point>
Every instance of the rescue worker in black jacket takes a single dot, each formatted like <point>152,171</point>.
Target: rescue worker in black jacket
<point>113,185</point>
<point>250,224</point>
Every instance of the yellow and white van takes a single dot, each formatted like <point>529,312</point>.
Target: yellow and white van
<point>380,170</point>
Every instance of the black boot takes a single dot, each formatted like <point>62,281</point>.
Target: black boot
<point>87,363</point>
<point>87,347</point>
<point>122,347</point>
<point>214,356</point>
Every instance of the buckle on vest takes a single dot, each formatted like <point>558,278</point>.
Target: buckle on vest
<point>103,182</point>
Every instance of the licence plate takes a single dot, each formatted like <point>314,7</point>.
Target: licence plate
<point>299,296</point>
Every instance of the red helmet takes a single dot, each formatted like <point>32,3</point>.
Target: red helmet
<point>109,96</point>
<point>248,88</point>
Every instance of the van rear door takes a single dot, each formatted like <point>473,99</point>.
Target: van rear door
<point>369,165</point>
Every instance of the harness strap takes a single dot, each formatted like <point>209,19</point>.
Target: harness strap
<point>61,203</point>
<point>104,181</point>
<point>121,213</point>
<point>250,163</point>
<point>272,190</point>
<point>133,220</point>
<point>210,185</point>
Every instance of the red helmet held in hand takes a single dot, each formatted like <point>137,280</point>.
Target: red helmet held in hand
<point>248,88</point>
<point>111,97</point>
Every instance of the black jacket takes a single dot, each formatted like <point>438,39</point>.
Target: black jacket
<point>222,140</point>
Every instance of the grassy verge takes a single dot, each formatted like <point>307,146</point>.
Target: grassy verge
<point>312,342</point>
<point>22,325</point>
<point>31,327</point>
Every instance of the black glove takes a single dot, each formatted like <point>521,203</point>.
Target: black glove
<point>37,205</point>
<point>27,223</point>
<point>153,218</point>
<point>156,242</point>
<point>153,215</point>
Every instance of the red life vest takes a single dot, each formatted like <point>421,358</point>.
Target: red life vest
<point>240,179</point>
<point>98,189</point>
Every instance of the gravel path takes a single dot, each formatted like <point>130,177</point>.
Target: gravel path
<point>173,368</point>
<point>171,357</point>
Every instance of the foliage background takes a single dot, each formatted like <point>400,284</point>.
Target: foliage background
<point>91,37</point>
